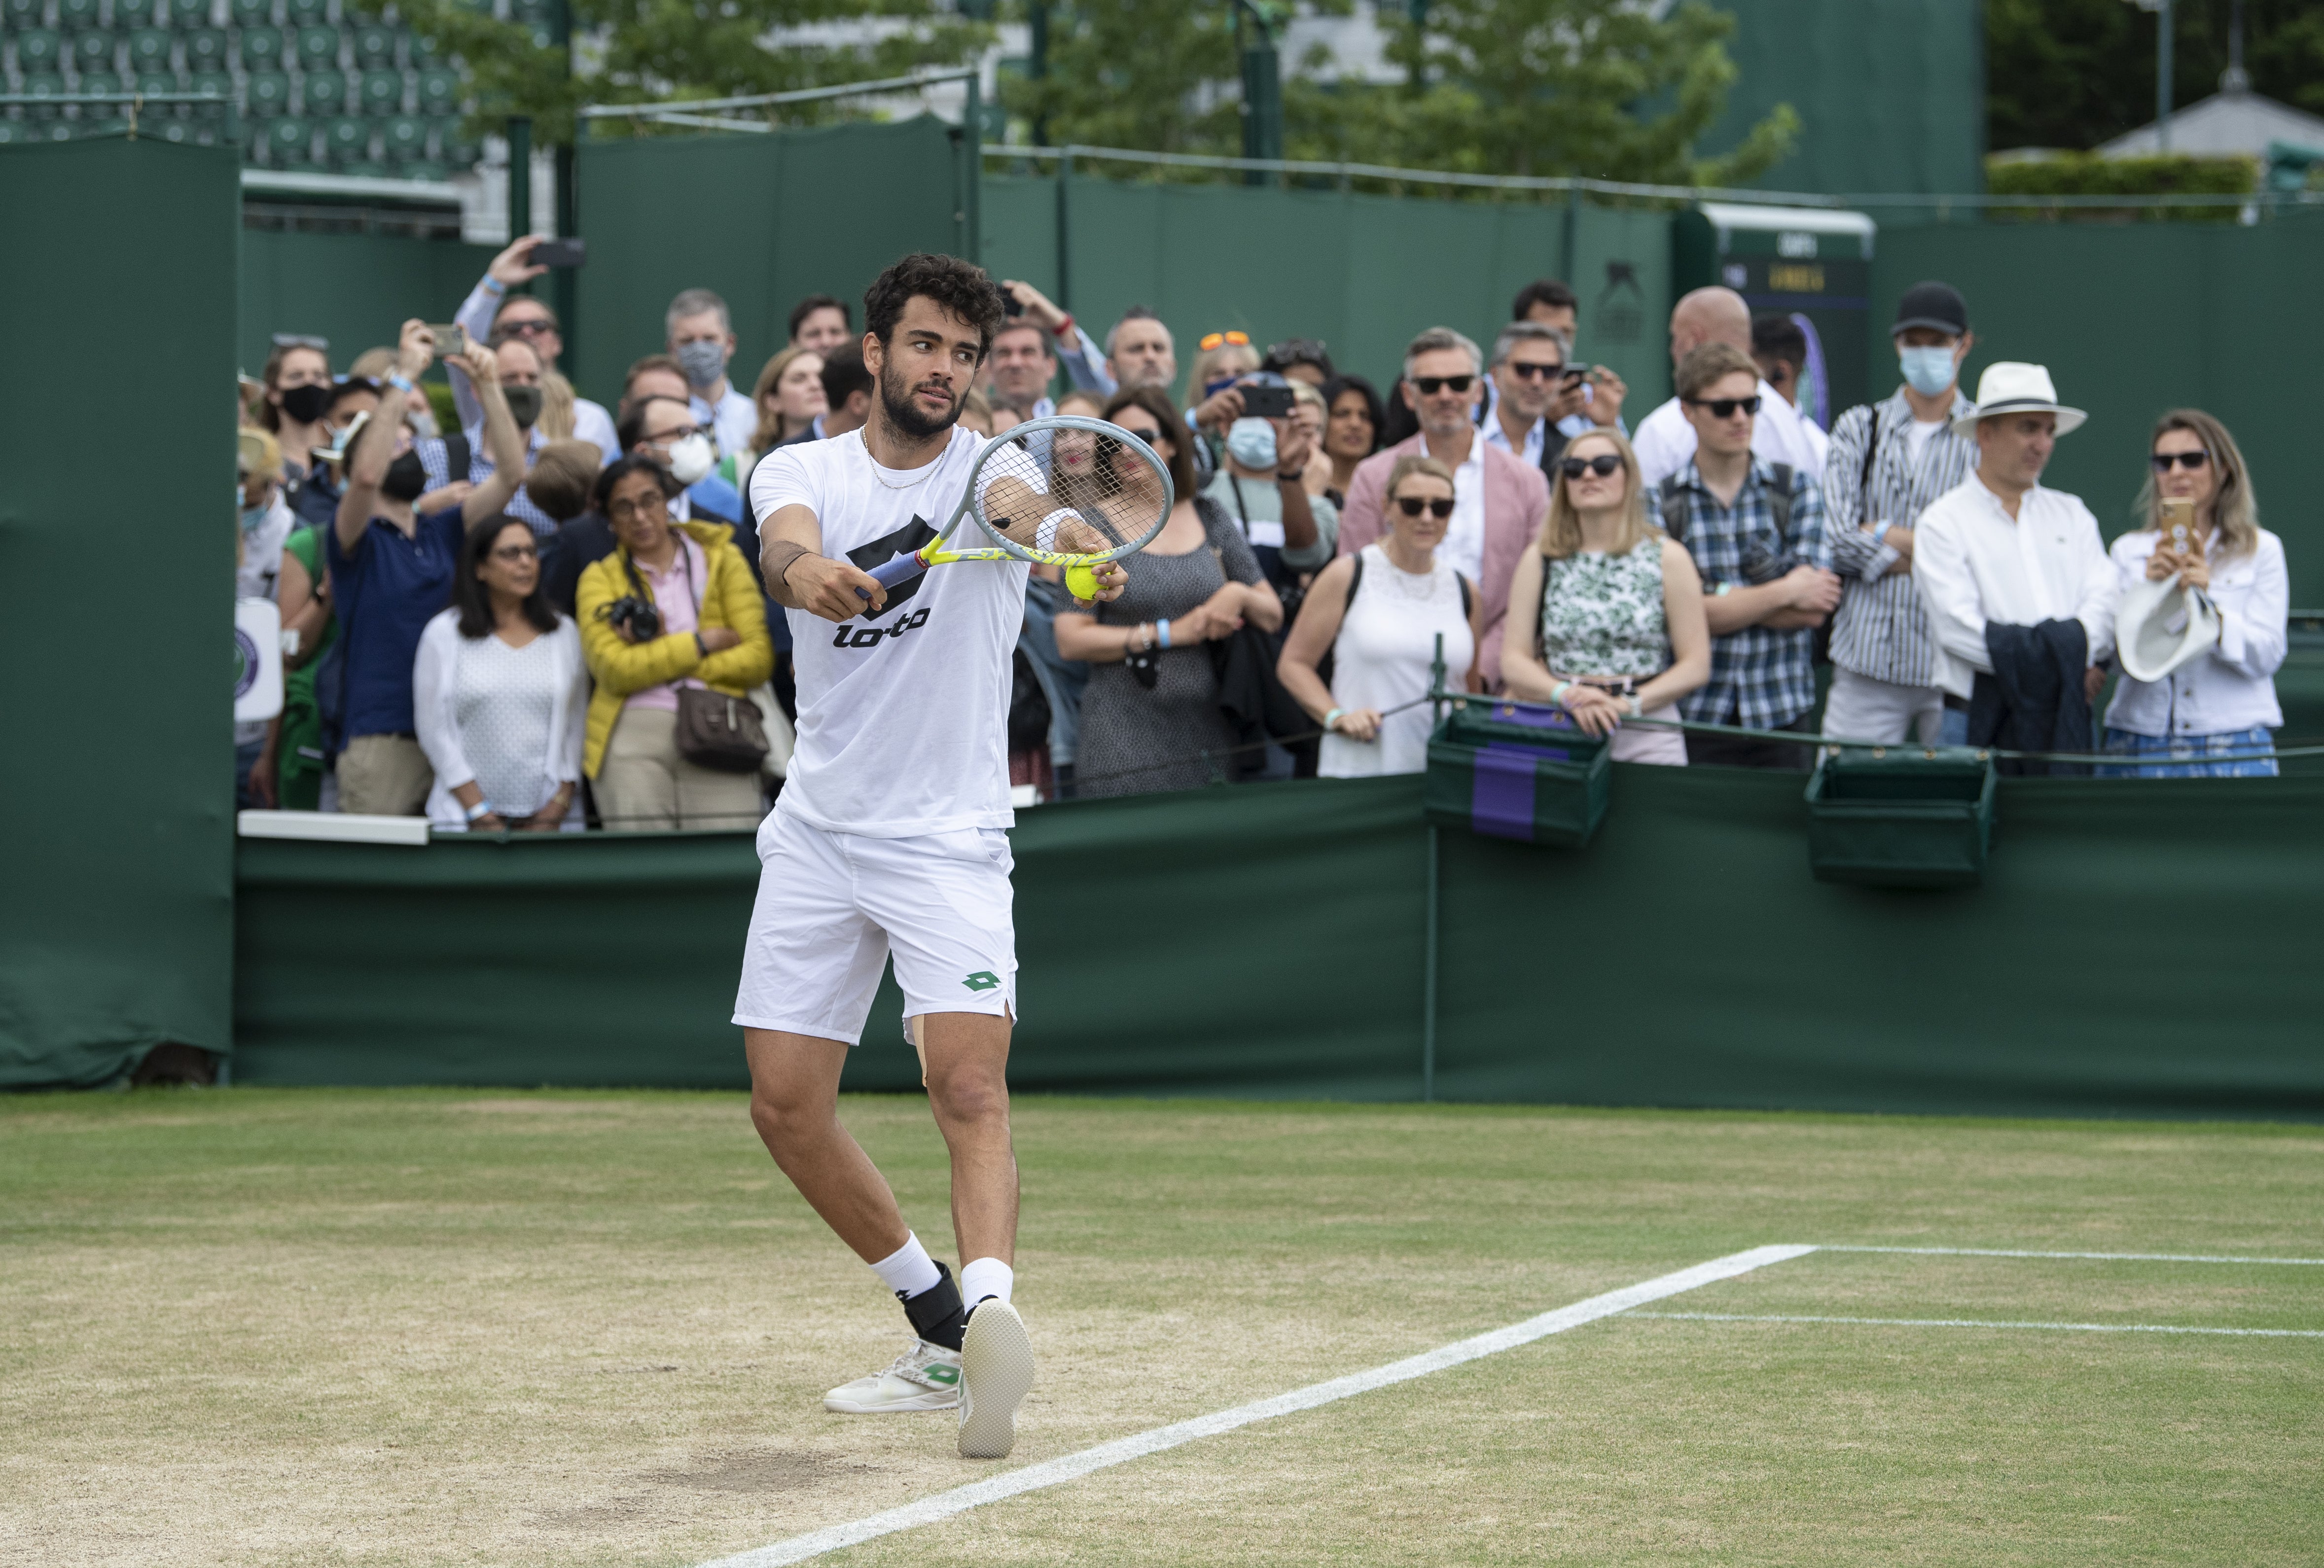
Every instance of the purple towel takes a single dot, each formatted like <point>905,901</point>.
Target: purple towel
<point>1500,800</point>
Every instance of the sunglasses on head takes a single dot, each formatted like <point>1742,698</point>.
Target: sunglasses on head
<point>1430,385</point>
<point>1724,407</point>
<point>1210,340</point>
<point>1150,434</point>
<point>1602,465</point>
<point>1524,372</point>
<point>2190,460</point>
<point>297,340</point>
<point>1439,507</point>
<point>529,324</point>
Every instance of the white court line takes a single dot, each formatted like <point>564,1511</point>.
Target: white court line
<point>2110,1257</point>
<point>1073,1466</point>
<point>2095,1328</point>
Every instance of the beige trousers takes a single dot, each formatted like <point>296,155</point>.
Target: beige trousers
<point>644,786</point>
<point>384,776</point>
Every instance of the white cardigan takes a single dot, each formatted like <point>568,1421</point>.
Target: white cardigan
<point>2232,688</point>
<point>435,681</point>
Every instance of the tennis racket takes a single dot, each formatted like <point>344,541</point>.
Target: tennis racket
<point>1067,491</point>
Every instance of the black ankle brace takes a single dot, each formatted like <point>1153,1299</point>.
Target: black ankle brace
<point>935,1313</point>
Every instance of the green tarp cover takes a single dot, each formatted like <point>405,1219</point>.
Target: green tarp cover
<point>2136,948</point>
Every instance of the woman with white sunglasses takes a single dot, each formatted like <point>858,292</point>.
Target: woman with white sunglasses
<point>1606,616</point>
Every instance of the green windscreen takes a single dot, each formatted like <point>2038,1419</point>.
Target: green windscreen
<point>116,526</point>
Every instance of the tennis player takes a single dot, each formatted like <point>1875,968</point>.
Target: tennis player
<point>889,837</point>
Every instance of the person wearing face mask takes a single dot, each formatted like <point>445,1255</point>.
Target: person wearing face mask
<point>391,569</point>
<point>1499,499</point>
<point>264,520</point>
<point>667,431</point>
<point>298,390</point>
<point>1888,461</point>
<point>316,498</point>
<point>702,340</point>
<point>1259,485</point>
<point>491,313</point>
<point>519,369</point>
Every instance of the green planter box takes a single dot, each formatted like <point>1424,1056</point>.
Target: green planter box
<point>1900,818</point>
<point>1520,773</point>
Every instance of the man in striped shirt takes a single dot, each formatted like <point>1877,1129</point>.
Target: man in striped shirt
<point>1888,461</point>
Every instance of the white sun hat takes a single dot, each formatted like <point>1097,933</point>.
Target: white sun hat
<point>2160,626</point>
<point>2010,386</point>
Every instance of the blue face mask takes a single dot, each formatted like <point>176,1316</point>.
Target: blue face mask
<point>1927,370</point>
<point>1251,443</point>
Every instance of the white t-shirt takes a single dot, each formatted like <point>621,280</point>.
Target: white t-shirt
<point>1464,537</point>
<point>1917,437</point>
<point>903,718</point>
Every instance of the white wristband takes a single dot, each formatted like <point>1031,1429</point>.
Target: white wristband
<point>1045,538</point>
<point>1333,718</point>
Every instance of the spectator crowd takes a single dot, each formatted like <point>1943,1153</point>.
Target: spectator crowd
<point>551,616</point>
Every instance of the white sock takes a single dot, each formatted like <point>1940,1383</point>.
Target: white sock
<point>984,1277</point>
<point>909,1270</point>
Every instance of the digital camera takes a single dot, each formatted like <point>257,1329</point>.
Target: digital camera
<point>633,616</point>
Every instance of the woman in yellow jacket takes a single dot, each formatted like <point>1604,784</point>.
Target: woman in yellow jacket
<point>713,633</point>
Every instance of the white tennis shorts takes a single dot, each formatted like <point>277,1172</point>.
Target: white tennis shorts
<point>833,905</point>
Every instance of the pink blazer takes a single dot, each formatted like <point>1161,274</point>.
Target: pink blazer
<point>1517,500</point>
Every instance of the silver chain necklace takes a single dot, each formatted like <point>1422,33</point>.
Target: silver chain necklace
<point>925,474</point>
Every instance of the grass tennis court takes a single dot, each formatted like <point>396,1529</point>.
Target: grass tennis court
<point>328,1327</point>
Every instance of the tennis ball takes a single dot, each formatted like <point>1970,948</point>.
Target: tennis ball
<point>1081,582</point>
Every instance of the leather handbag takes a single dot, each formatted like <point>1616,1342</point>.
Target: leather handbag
<point>720,731</point>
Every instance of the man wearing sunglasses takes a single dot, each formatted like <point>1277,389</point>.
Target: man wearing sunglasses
<point>1665,438</point>
<point>490,309</point>
<point>1499,499</point>
<point>1755,530</point>
<point>1528,384</point>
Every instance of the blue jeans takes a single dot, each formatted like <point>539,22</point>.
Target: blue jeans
<point>1953,729</point>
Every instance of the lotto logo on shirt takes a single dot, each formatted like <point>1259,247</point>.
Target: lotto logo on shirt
<point>850,636</point>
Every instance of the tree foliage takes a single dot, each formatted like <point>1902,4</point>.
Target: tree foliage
<point>2074,73</point>
<point>1599,87</point>
<point>639,51</point>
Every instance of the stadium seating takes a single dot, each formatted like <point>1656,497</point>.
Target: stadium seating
<point>299,70</point>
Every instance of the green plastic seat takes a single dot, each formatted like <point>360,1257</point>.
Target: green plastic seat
<point>455,146</point>
<point>206,48</point>
<point>251,13</point>
<point>152,82</point>
<point>20,15</point>
<point>38,51</point>
<point>46,84</point>
<point>94,49</point>
<point>348,138</point>
<point>307,12</point>
<point>288,139</point>
<point>405,137</point>
<point>262,48</point>
<point>424,169</point>
<point>382,92</point>
<point>131,14</point>
<point>73,15</point>
<point>318,48</point>
<point>439,90</point>
<point>266,94</point>
<point>185,15</point>
<point>422,50</point>
<point>365,169</point>
<point>15,130</point>
<point>374,46</point>
<point>97,83</point>
<point>209,81</point>
<point>150,48</point>
<point>324,92</point>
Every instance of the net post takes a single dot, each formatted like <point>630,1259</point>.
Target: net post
<point>1428,983</point>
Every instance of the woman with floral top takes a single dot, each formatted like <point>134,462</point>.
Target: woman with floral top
<point>1621,632</point>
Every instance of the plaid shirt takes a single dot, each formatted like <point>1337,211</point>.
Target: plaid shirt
<point>1759,678</point>
<point>437,462</point>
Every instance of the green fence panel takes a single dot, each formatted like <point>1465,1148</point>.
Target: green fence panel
<point>763,219</point>
<point>1687,957</point>
<point>2133,320</point>
<point>1362,273</point>
<point>118,930</point>
<point>1890,93</point>
<point>358,290</point>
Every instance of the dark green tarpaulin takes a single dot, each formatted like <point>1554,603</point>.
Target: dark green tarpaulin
<point>117,538</point>
<point>2137,948</point>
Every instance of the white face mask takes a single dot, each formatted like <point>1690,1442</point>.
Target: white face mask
<point>1927,370</point>
<point>691,457</point>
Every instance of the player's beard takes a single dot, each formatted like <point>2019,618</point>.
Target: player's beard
<point>904,414</point>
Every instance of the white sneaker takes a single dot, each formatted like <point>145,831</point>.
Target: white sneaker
<point>924,1377</point>
<point>996,1369</point>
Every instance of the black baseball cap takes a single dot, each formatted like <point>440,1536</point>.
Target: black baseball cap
<point>1938,306</point>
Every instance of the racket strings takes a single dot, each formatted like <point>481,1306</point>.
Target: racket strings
<point>1077,493</point>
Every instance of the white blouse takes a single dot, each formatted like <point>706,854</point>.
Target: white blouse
<point>2231,687</point>
<point>455,748</point>
<point>1382,658</point>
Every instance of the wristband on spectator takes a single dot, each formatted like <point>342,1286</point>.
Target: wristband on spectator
<point>1557,693</point>
<point>1333,718</point>
<point>1064,329</point>
<point>395,379</point>
<point>479,811</point>
<point>1162,629</point>
<point>1722,591</point>
<point>701,649</point>
<point>494,285</point>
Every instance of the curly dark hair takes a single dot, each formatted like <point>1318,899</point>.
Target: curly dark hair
<point>963,288</point>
